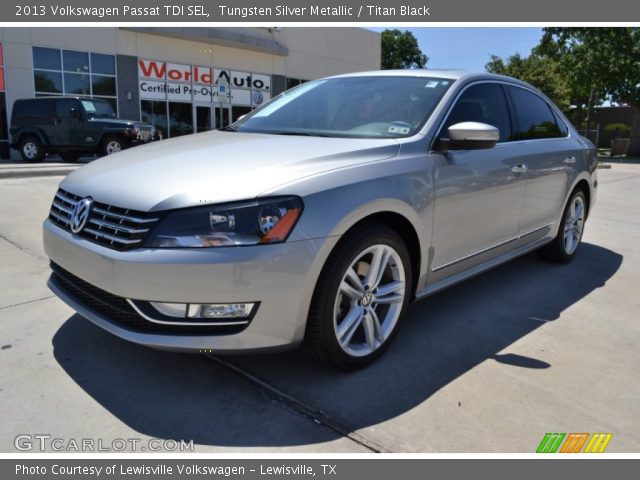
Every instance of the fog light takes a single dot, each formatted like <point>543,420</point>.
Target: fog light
<point>170,309</point>
<point>220,310</point>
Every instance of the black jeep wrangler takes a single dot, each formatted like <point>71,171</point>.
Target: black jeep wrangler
<point>72,127</point>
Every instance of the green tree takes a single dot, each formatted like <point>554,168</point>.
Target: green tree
<point>538,70</point>
<point>401,50</point>
<point>600,63</point>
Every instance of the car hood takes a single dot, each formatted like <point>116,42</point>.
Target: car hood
<point>115,122</point>
<point>214,167</point>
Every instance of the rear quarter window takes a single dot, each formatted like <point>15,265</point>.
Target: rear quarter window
<point>31,109</point>
<point>534,118</point>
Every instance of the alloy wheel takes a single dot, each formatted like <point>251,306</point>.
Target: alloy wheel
<point>573,225</point>
<point>369,300</point>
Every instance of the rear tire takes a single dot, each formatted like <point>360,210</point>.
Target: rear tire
<point>356,311</point>
<point>32,150</point>
<point>565,246</point>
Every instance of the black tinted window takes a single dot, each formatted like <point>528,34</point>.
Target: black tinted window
<point>63,107</point>
<point>484,103</point>
<point>534,118</point>
<point>47,82</point>
<point>31,108</point>
<point>564,131</point>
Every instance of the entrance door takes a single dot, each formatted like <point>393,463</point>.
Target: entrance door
<point>207,117</point>
<point>202,118</point>
<point>222,116</point>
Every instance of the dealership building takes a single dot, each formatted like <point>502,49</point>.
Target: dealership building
<point>183,80</point>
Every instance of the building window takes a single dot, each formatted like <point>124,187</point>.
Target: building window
<point>294,82</point>
<point>73,61</point>
<point>77,73</point>
<point>180,119</point>
<point>155,113</point>
<point>4,130</point>
<point>237,112</point>
<point>47,82</point>
<point>46,58</point>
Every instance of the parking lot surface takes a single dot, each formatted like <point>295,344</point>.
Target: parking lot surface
<point>489,365</point>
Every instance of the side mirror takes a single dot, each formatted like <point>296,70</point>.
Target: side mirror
<point>471,136</point>
<point>75,113</point>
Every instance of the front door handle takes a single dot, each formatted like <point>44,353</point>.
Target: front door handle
<point>519,168</point>
<point>570,159</point>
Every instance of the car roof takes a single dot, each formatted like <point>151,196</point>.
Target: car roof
<point>448,74</point>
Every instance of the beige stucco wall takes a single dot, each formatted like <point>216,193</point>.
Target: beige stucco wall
<point>313,52</point>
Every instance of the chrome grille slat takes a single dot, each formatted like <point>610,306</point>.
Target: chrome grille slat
<point>129,218</point>
<point>66,221</point>
<point>110,226</point>
<point>68,200</point>
<point>64,209</point>
<point>117,226</point>
<point>111,238</point>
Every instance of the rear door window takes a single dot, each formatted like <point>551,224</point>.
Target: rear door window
<point>534,117</point>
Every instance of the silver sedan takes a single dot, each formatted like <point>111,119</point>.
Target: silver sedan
<point>320,216</point>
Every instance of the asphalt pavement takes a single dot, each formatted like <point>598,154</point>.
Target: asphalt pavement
<point>489,365</point>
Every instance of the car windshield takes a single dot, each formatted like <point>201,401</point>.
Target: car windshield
<point>98,109</point>
<point>358,107</point>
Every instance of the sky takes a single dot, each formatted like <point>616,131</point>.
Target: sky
<point>470,48</point>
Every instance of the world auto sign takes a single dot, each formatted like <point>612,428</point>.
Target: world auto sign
<point>195,83</point>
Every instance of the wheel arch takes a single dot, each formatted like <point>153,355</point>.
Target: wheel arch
<point>407,232</point>
<point>32,132</point>
<point>583,185</point>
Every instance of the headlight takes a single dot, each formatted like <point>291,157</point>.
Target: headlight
<point>237,224</point>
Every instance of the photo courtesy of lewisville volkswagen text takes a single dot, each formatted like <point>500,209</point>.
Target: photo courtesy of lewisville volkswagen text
<point>241,245</point>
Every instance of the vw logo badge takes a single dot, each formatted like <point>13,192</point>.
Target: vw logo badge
<point>80,214</point>
<point>257,97</point>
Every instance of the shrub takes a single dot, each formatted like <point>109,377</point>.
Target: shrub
<point>618,129</point>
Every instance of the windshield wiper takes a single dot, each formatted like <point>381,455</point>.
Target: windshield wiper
<point>298,133</point>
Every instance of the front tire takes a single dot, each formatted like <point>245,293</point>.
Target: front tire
<point>112,145</point>
<point>565,246</point>
<point>360,298</point>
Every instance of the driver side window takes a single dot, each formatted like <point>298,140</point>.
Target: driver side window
<point>64,107</point>
<point>484,103</point>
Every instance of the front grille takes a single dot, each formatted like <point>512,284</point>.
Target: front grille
<point>146,134</point>
<point>119,312</point>
<point>113,227</point>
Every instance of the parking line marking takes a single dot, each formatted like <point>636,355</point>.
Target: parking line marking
<point>299,407</point>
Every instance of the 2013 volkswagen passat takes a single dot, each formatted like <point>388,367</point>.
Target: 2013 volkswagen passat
<point>321,215</point>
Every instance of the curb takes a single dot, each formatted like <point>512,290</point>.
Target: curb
<point>26,173</point>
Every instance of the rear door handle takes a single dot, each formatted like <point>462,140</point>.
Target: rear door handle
<point>570,159</point>
<point>519,169</point>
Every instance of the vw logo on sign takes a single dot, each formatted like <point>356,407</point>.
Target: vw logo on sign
<point>257,97</point>
<point>81,214</point>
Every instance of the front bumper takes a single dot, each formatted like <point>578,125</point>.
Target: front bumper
<point>281,277</point>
